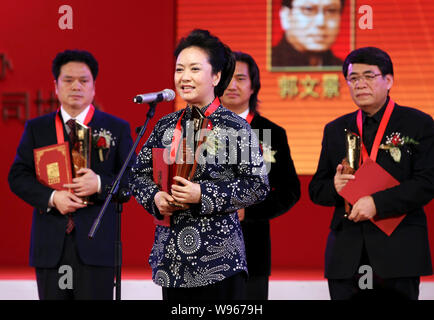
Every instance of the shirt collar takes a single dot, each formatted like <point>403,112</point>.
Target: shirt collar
<point>203,109</point>
<point>379,114</point>
<point>80,118</point>
<point>244,114</point>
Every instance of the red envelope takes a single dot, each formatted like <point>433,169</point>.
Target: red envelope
<point>371,178</point>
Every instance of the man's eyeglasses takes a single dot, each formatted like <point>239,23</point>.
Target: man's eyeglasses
<point>312,11</point>
<point>367,77</point>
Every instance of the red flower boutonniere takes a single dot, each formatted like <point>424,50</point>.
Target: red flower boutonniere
<point>102,141</point>
<point>393,144</point>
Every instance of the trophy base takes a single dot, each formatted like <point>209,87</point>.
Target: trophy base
<point>180,206</point>
<point>347,170</point>
<point>348,208</point>
<point>86,201</point>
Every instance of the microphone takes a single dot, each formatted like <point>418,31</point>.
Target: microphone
<point>166,95</point>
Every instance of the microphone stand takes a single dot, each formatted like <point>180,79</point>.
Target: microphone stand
<point>120,196</point>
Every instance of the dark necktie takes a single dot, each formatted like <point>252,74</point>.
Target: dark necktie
<point>72,139</point>
<point>72,134</point>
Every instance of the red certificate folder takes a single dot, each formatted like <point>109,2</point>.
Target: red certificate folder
<point>53,165</point>
<point>162,177</point>
<point>371,178</point>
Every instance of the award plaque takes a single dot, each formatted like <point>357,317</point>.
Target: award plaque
<point>352,160</point>
<point>81,150</point>
<point>186,160</point>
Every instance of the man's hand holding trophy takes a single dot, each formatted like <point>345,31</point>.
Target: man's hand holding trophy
<point>349,165</point>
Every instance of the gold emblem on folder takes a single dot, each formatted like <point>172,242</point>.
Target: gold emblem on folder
<point>53,173</point>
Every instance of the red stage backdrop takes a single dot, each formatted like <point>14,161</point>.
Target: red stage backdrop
<point>134,42</point>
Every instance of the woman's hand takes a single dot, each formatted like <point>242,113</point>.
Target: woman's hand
<point>187,192</point>
<point>241,214</point>
<point>161,200</point>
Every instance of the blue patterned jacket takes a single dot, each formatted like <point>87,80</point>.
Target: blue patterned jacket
<point>204,244</point>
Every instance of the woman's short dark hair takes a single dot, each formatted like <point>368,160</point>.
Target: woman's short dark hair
<point>66,56</point>
<point>220,55</point>
<point>254,77</point>
<point>372,56</point>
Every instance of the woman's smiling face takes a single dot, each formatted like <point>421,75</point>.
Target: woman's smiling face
<point>194,78</point>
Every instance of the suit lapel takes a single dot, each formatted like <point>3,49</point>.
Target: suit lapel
<point>393,122</point>
<point>93,123</point>
<point>352,125</point>
<point>391,127</point>
<point>65,133</point>
<point>95,118</point>
<point>255,121</point>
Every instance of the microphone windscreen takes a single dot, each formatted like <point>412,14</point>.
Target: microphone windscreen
<point>168,94</point>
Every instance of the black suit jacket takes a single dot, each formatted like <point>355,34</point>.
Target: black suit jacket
<point>406,252</point>
<point>48,227</point>
<point>285,55</point>
<point>285,192</point>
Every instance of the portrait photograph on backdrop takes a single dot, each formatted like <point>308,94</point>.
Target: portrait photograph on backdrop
<point>309,35</point>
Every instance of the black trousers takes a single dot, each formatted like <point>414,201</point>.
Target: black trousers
<point>257,288</point>
<point>392,288</point>
<point>73,280</point>
<point>232,288</point>
<point>385,289</point>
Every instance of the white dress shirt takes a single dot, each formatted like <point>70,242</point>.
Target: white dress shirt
<point>244,114</point>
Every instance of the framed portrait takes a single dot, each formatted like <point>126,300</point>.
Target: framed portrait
<point>309,35</point>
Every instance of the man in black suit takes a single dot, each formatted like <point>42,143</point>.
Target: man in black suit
<point>61,220</point>
<point>241,96</point>
<point>403,140</point>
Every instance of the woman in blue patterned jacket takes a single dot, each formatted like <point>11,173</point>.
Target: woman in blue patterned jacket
<point>202,255</point>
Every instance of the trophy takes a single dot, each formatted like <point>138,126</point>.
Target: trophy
<point>186,160</point>
<point>352,160</point>
<point>80,151</point>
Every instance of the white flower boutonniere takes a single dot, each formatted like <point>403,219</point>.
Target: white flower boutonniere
<point>213,143</point>
<point>393,144</point>
<point>267,152</point>
<point>102,140</point>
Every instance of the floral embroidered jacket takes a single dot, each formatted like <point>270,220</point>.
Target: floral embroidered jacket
<point>204,244</point>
